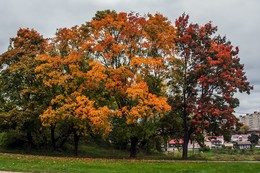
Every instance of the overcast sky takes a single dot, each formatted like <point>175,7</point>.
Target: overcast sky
<point>239,20</point>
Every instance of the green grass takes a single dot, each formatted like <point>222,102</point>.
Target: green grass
<point>103,158</point>
<point>92,150</point>
<point>14,162</point>
<point>108,152</point>
<point>94,158</point>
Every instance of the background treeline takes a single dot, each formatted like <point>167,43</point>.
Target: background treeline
<point>133,81</point>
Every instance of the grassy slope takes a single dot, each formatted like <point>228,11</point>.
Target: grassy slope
<point>15,162</point>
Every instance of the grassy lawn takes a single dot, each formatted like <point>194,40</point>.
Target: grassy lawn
<point>16,162</point>
<point>97,159</point>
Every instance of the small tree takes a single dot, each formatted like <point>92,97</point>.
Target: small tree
<point>254,138</point>
<point>243,129</point>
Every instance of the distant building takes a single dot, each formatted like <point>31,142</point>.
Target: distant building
<point>243,145</point>
<point>239,138</point>
<point>214,141</point>
<point>251,120</point>
<point>177,145</point>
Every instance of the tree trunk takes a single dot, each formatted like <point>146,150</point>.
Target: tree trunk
<point>76,141</point>
<point>64,139</point>
<point>133,148</point>
<point>186,130</point>
<point>185,145</point>
<point>53,140</point>
<point>30,141</point>
<point>45,139</point>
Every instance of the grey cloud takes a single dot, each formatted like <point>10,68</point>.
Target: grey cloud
<point>237,19</point>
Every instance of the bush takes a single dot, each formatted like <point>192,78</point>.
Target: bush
<point>225,151</point>
<point>199,156</point>
<point>206,148</point>
<point>257,158</point>
<point>2,138</point>
<point>12,139</point>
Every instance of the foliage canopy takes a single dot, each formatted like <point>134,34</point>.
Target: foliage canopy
<point>137,76</point>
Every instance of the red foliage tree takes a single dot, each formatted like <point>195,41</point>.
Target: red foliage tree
<point>206,81</point>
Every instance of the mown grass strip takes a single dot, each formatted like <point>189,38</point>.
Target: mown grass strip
<point>12,162</point>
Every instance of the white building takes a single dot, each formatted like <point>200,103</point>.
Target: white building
<point>214,141</point>
<point>239,138</point>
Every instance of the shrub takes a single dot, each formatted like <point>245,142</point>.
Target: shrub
<point>257,157</point>
<point>12,139</point>
<point>206,148</point>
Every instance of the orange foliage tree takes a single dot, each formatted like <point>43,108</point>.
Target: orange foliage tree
<point>68,72</point>
<point>135,51</point>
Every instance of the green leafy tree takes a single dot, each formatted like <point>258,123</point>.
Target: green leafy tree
<point>254,138</point>
<point>23,97</point>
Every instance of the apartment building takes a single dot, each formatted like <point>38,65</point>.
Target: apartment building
<point>251,120</point>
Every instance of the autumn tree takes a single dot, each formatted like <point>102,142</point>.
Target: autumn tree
<point>23,97</point>
<point>134,50</point>
<point>243,129</point>
<point>72,76</point>
<point>50,71</point>
<point>205,82</point>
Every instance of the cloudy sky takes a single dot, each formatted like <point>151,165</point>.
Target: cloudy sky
<point>239,20</point>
